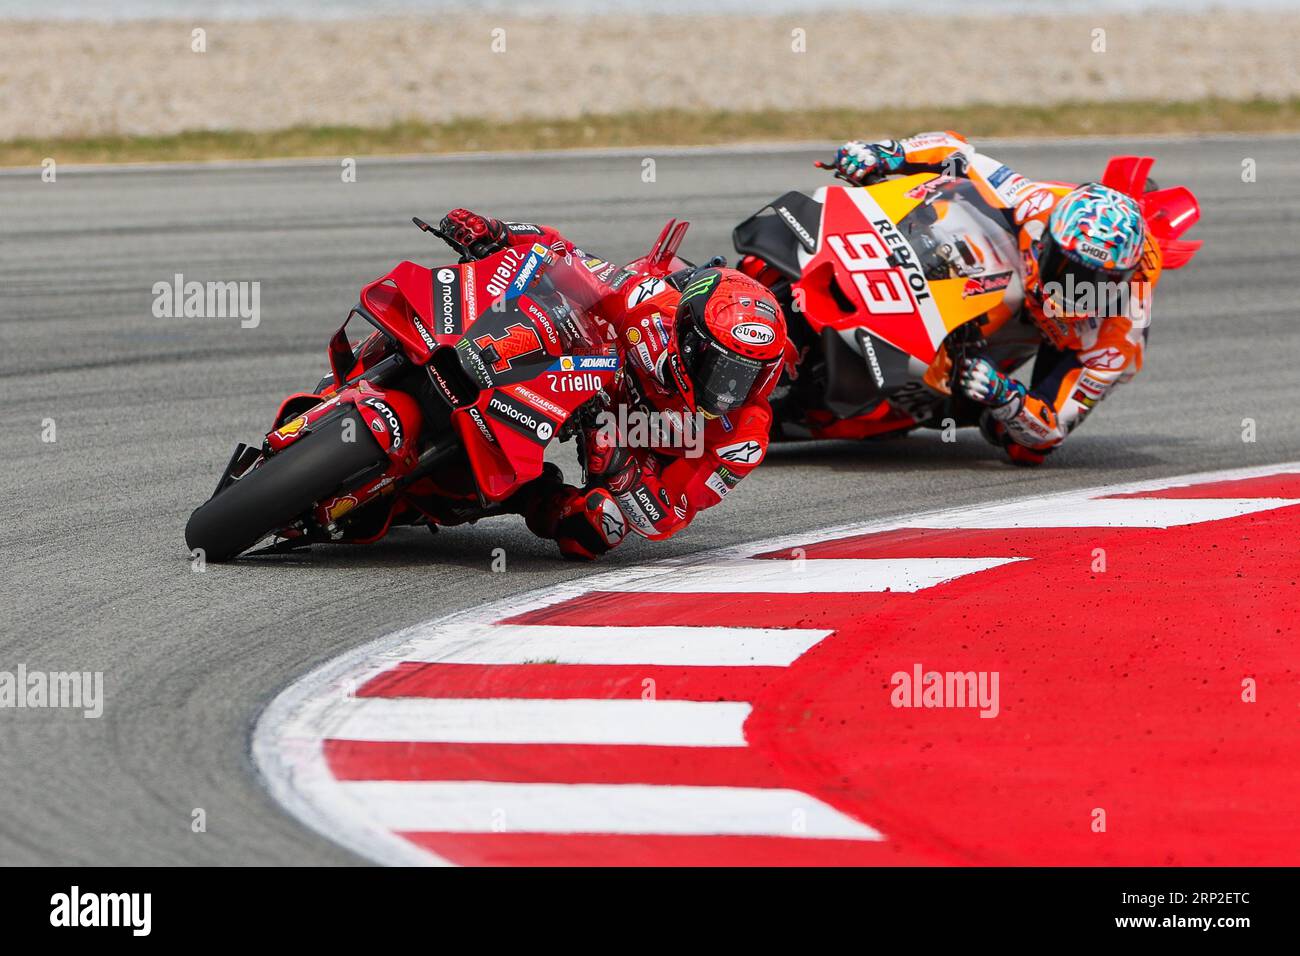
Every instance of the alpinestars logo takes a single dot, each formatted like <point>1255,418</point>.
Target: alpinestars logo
<point>612,526</point>
<point>743,452</point>
<point>645,289</point>
<point>519,340</point>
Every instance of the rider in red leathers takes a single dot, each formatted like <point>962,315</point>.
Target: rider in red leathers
<point>704,348</point>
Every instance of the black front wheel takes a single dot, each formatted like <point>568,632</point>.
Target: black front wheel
<point>275,493</point>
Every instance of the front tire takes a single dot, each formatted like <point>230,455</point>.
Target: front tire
<point>272,495</point>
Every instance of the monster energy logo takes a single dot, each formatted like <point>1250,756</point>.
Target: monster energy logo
<point>700,286</point>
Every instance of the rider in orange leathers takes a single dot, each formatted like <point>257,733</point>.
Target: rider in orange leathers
<point>1089,265</point>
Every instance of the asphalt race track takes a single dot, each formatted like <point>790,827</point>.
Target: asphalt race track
<point>96,574</point>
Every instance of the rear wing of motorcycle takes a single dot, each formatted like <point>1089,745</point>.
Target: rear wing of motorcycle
<point>659,260</point>
<point>1169,212</point>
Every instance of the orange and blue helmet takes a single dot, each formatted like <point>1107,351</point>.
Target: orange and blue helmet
<point>1094,235</point>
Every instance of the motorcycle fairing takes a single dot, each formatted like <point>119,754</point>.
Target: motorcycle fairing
<point>662,259</point>
<point>859,375</point>
<point>399,305</point>
<point>867,273</point>
<point>421,308</point>
<point>510,367</point>
<point>535,368</point>
<point>778,231</point>
<point>506,430</point>
<point>874,271</point>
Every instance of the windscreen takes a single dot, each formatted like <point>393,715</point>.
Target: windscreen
<point>956,234</point>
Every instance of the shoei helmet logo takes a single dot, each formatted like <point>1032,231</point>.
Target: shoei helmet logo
<point>1099,227</point>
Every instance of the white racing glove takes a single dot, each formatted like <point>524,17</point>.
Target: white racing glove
<point>983,383</point>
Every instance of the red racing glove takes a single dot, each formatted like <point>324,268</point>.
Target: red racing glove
<point>606,459</point>
<point>472,235</point>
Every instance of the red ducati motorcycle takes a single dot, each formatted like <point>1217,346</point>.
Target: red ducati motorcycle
<point>437,417</point>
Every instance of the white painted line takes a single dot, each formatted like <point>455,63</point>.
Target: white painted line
<point>667,723</point>
<point>667,646</point>
<point>459,807</point>
<point>816,576</point>
<point>1108,513</point>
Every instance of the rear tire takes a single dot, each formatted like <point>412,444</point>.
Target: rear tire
<point>276,492</point>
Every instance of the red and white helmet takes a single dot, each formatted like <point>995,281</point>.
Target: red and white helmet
<point>728,342</point>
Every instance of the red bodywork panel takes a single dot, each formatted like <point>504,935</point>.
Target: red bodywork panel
<point>1169,212</point>
<point>530,374</point>
<point>849,272</point>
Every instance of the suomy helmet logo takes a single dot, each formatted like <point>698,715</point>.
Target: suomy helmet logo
<point>754,333</point>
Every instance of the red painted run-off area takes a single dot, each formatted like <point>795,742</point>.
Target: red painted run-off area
<point>1120,691</point>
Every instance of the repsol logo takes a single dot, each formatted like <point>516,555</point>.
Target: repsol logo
<point>902,255</point>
